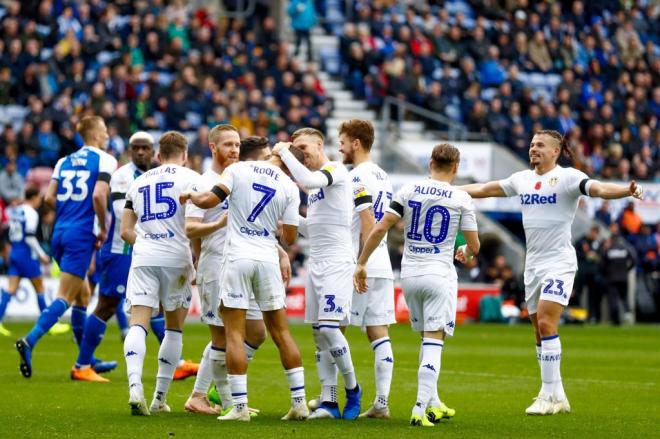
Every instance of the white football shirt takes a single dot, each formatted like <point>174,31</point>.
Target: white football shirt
<point>548,204</point>
<point>261,195</point>
<point>154,196</point>
<point>370,181</point>
<point>213,244</point>
<point>433,212</point>
<point>119,184</point>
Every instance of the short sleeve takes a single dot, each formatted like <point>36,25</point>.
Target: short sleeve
<point>119,182</point>
<point>31,221</point>
<point>509,185</point>
<point>399,200</point>
<point>334,173</point>
<point>130,196</point>
<point>290,216</point>
<point>362,199</point>
<point>56,171</point>
<point>468,215</point>
<point>228,177</point>
<point>193,211</point>
<point>578,183</point>
<point>107,166</point>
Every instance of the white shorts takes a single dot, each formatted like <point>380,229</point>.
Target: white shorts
<point>151,286</point>
<point>209,296</point>
<point>376,306</point>
<point>329,291</point>
<point>431,300</point>
<point>244,279</point>
<point>554,284</point>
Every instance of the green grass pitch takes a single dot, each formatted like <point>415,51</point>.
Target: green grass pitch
<point>489,375</point>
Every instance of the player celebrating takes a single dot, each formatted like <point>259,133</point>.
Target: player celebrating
<point>161,269</point>
<point>113,260</point>
<point>208,224</point>
<point>374,309</point>
<point>78,190</point>
<point>26,254</point>
<point>261,195</point>
<point>428,276</point>
<point>549,196</point>
<point>328,291</point>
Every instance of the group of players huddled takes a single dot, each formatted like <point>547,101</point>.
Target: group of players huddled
<point>159,229</point>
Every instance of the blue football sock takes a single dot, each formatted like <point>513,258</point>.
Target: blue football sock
<point>92,336</point>
<point>158,326</point>
<point>47,319</point>
<point>122,319</point>
<point>41,300</point>
<point>78,316</point>
<point>4,301</point>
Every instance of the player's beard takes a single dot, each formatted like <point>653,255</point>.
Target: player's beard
<point>347,158</point>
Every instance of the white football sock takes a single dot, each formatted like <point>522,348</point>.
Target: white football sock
<point>205,373</point>
<point>338,346</point>
<point>135,347</point>
<point>296,378</point>
<point>538,355</point>
<point>168,358</point>
<point>326,369</point>
<point>238,385</point>
<point>383,366</point>
<point>219,367</point>
<point>550,362</point>
<point>249,350</point>
<point>428,373</point>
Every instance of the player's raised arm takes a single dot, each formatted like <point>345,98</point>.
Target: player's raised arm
<point>373,240</point>
<point>195,228</point>
<point>611,191</point>
<point>484,190</point>
<point>308,179</point>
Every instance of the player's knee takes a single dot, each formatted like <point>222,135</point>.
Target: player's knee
<point>546,326</point>
<point>256,335</point>
<point>331,336</point>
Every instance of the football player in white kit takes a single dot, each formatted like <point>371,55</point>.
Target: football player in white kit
<point>549,196</point>
<point>208,225</point>
<point>434,211</point>
<point>329,289</point>
<point>261,195</point>
<point>373,310</point>
<point>161,269</point>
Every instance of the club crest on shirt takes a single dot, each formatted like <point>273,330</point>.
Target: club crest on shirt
<point>553,181</point>
<point>537,186</point>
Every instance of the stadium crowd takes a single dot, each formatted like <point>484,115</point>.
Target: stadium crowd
<point>590,70</point>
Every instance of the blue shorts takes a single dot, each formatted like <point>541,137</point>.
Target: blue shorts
<point>22,265</point>
<point>73,250</point>
<point>113,273</point>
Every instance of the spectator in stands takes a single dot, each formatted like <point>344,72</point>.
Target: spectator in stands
<point>303,19</point>
<point>647,248</point>
<point>630,221</point>
<point>12,184</point>
<point>603,213</point>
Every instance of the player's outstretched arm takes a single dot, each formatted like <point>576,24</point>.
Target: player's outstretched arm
<point>305,177</point>
<point>127,229</point>
<point>466,252</point>
<point>375,237</point>
<point>206,200</point>
<point>484,190</point>
<point>611,191</point>
<point>195,228</point>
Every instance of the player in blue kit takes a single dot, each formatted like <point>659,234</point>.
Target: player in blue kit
<point>113,261</point>
<point>78,191</point>
<point>26,253</point>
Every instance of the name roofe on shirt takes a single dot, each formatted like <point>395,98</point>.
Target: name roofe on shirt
<point>270,172</point>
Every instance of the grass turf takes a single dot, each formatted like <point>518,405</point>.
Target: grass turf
<point>489,375</point>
